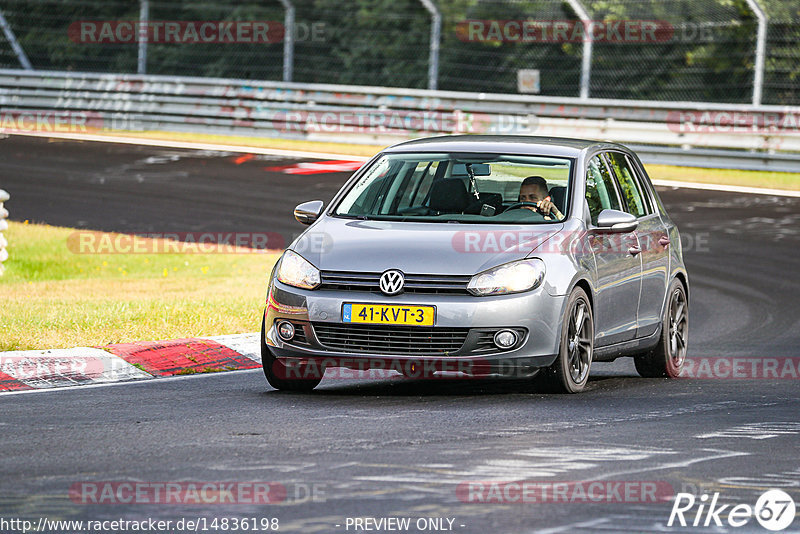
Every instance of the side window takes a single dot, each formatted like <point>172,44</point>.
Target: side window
<point>649,195</point>
<point>601,193</point>
<point>635,197</point>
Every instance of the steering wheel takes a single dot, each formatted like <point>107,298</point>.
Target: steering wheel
<point>518,205</point>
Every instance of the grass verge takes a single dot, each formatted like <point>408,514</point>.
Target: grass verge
<point>55,298</point>
<point>770,180</point>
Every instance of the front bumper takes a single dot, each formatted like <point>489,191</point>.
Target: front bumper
<point>317,315</point>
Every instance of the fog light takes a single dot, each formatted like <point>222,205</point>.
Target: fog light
<point>505,339</point>
<point>285,330</point>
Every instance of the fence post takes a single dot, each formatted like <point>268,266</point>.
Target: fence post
<point>3,226</point>
<point>288,41</point>
<point>586,56</point>
<point>12,40</point>
<point>436,37</point>
<point>144,19</point>
<point>761,50</point>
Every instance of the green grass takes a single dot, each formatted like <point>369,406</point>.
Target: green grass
<point>55,298</point>
<point>764,179</point>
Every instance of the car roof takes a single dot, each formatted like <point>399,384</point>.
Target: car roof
<point>507,144</point>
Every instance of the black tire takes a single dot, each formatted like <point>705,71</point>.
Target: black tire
<point>276,372</point>
<point>668,357</point>
<point>570,372</point>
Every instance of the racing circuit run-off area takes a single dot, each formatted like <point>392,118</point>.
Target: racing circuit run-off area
<point>422,267</point>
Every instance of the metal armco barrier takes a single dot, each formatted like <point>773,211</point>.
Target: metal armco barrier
<point>3,227</point>
<point>747,136</point>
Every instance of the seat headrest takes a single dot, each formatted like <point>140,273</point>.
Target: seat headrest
<point>494,200</point>
<point>558,194</point>
<point>449,196</point>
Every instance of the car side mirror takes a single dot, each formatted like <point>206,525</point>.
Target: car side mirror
<point>617,221</point>
<point>308,212</point>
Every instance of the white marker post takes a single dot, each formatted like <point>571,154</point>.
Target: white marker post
<point>3,226</point>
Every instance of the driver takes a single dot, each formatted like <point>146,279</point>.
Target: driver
<point>534,189</point>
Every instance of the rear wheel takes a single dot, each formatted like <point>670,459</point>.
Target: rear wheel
<point>570,372</point>
<point>668,357</point>
<point>284,378</point>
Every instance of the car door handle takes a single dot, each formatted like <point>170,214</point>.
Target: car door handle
<point>634,250</point>
<point>664,241</point>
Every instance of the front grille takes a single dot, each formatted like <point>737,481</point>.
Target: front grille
<point>414,283</point>
<point>300,335</point>
<point>484,342</point>
<point>398,340</point>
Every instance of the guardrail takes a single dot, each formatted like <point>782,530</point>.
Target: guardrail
<point>3,227</point>
<point>755,137</point>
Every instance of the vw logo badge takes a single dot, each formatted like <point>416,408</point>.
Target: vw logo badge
<point>392,282</point>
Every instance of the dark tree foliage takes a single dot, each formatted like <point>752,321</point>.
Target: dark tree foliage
<point>709,57</point>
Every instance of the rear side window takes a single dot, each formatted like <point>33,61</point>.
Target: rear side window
<point>635,197</point>
<point>601,193</point>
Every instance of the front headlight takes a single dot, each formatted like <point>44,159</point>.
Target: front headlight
<point>514,277</point>
<point>295,271</point>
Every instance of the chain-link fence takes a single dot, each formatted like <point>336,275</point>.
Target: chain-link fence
<point>675,50</point>
<point>782,73</point>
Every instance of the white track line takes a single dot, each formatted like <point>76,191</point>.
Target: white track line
<point>322,155</point>
<point>727,188</point>
<point>192,145</point>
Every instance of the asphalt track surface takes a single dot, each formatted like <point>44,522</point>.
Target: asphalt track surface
<point>400,448</point>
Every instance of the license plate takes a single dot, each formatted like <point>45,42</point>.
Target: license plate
<point>380,314</point>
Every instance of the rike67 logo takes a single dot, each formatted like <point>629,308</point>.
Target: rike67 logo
<point>774,510</point>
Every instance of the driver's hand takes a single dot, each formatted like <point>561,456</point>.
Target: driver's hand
<point>548,209</point>
<point>545,207</point>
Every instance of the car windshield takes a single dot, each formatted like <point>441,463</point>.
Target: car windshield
<point>467,188</point>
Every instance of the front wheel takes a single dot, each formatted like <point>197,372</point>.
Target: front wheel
<point>570,372</point>
<point>280,376</point>
<point>668,357</point>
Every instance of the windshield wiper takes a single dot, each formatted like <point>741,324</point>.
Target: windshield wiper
<point>356,217</point>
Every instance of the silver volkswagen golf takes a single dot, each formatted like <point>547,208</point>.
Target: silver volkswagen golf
<point>482,255</point>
